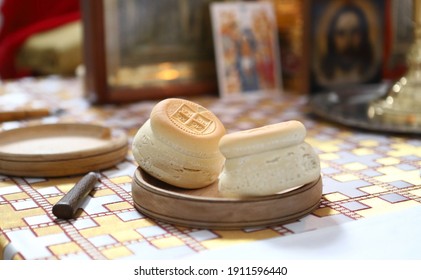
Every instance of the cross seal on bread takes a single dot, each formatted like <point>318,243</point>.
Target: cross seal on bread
<point>192,120</point>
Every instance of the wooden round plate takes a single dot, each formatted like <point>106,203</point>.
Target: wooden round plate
<point>205,208</point>
<point>64,149</point>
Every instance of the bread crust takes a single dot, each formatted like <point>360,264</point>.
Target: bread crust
<point>187,126</point>
<point>262,139</point>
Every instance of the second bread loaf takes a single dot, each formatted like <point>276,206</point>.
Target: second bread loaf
<point>267,160</point>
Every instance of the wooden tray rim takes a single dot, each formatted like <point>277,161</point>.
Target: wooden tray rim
<point>221,225</point>
<point>60,168</point>
<point>144,191</point>
<point>117,140</point>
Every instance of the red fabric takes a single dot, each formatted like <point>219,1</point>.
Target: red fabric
<point>21,19</point>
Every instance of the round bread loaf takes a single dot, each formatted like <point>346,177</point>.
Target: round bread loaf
<point>179,144</point>
<point>267,160</point>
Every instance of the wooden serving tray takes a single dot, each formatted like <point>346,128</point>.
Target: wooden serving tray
<point>53,150</point>
<point>205,208</point>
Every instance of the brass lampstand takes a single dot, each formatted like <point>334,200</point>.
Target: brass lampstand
<point>401,106</point>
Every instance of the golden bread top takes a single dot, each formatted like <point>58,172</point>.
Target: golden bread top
<point>185,123</point>
<point>262,139</point>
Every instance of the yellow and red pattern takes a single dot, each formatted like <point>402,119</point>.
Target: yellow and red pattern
<point>364,174</point>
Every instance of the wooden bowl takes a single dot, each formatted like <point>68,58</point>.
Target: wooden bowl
<point>206,208</point>
<point>53,150</point>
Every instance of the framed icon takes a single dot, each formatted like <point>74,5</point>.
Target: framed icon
<point>346,42</point>
<point>141,49</point>
<point>246,48</point>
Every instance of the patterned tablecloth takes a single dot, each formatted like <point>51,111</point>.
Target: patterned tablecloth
<point>364,174</point>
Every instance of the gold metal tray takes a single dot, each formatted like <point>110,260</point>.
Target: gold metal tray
<point>350,107</point>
